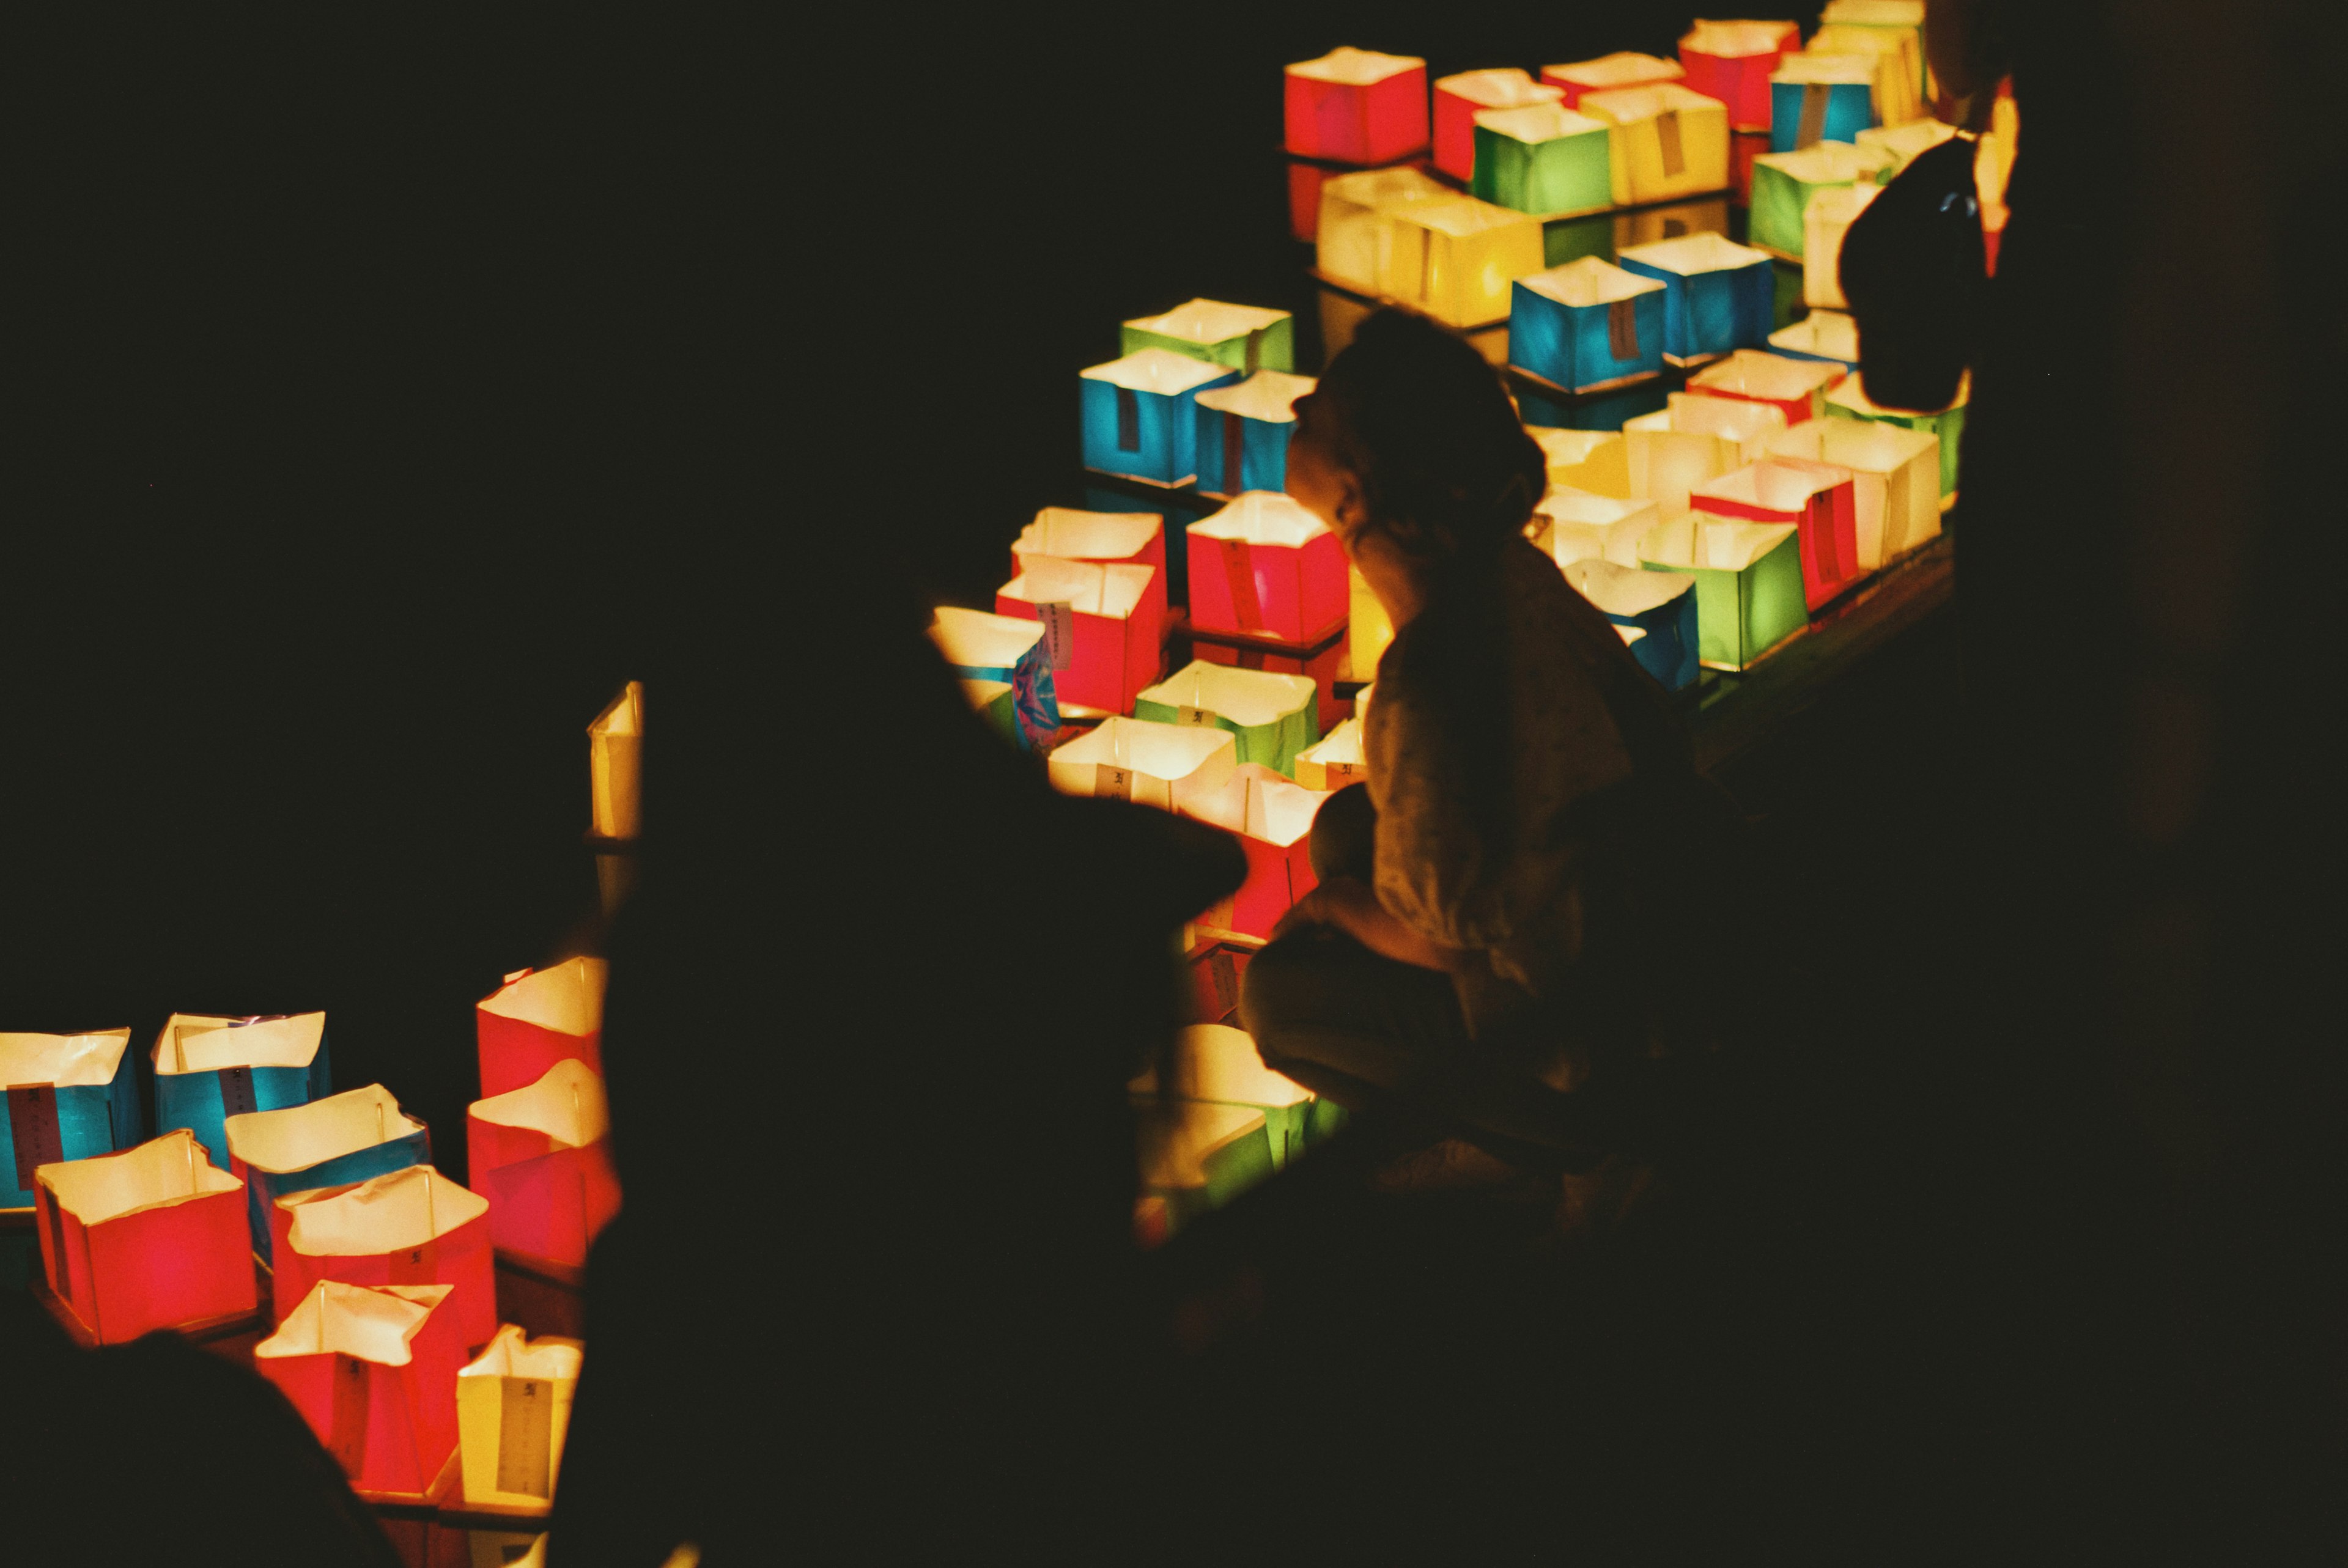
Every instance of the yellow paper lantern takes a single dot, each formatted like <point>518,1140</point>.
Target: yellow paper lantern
<point>1667,141</point>
<point>615,764</point>
<point>1583,526</point>
<point>1892,55</point>
<point>514,1410</point>
<point>1592,460</point>
<point>1694,440</point>
<point>1368,629</point>
<point>1164,765</point>
<point>1357,226</point>
<point>1905,16</point>
<point>1454,258</point>
<point>1895,474</point>
<point>1337,761</point>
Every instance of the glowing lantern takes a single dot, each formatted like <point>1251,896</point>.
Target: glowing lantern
<point>1270,716</point>
<point>1592,460</point>
<point>983,647</point>
<point>514,1410</point>
<point>1830,337</point>
<point>1164,765</point>
<point>1356,105</point>
<point>1357,226</point>
<point>1660,606</point>
<point>1666,141</point>
<point>1215,1064</point>
<point>1243,433</point>
<point>992,700</point>
<point>538,1017</point>
<point>1820,97</point>
<point>1237,337</point>
<point>1101,627</point>
<point>616,742</point>
<point>1273,821</point>
<point>373,1371</point>
<point>343,1138</point>
<point>1748,583</point>
<point>1609,73</point>
<point>1795,387</point>
<point>1732,61</point>
<point>207,1068</point>
<point>1582,526</point>
<point>1896,476</point>
<point>1199,1157</point>
<point>1825,221</point>
<point>1322,663</point>
<point>70,1097</point>
<point>1784,183</point>
<point>1904,140</point>
<point>1337,761</point>
<point>1818,498</point>
<point>1127,538</point>
<point>1454,258</point>
<point>1369,630</point>
<point>414,1226</point>
<point>1459,99</point>
<point>1265,565</point>
<point>1587,325</point>
<point>1850,401</point>
<point>1896,97</point>
<point>1719,296</point>
<point>542,1157</point>
<point>1896,17</point>
<point>1692,440</point>
<point>150,1238</point>
<point>1744,147</point>
<point>1139,421</point>
<point>1543,159</point>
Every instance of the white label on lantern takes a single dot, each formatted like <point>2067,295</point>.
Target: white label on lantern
<point>1195,718</point>
<point>1059,620</point>
<point>525,1434</point>
<point>1109,780</point>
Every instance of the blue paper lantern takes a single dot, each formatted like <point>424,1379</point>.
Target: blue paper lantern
<point>207,1068</point>
<point>1661,604</point>
<point>1719,296</point>
<point>1243,431</point>
<point>1139,417</point>
<point>1820,97</point>
<point>343,1138</point>
<point>70,1097</point>
<point>1587,325</point>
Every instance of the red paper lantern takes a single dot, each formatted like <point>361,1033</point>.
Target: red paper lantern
<point>414,1226</point>
<point>538,1017</point>
<point>1458,97</point>
<point>541,1156</point>
<point>151,1238</point>
<point>1105,538</point>
<point>1795,387</point>
<point>373,1371</point>
<point>1356,105</point>
<point>1819,499</point>
<point>1264,565</point>
<point>1273,819</point>
<point>1733,61</point>
<point>1101,624</point>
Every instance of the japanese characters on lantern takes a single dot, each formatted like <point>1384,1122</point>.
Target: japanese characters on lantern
<point>207,1068</point>
<point>1100,624</point>
<point>1164,765</point>
<point>70,1096</point>
<point>1666,141</point>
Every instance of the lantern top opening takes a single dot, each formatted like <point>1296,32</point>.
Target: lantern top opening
<point>300,1136</point>
<point>1565,504</point>
<point>1699,541</point>
<point>1460,216</point>
<point>205,1043</point>
<point>1875,13</point>
<point>1219,1064</point>
<point>66,1060</point>
<point>1385,187</point>
<point>1262,517</point>
<point>623,716</point>
<point>1537,123</point>
<point>1851,394</point>
<point>1628,105</point>
<point>1114,588</point>
<point>1342,745</point>
<point>1623,68</point>
<point>1167,751</point>
<point>161,1172</point>
<point>567,1105</point>
<point>404,1209</point>
<point>567,998</point>
<point>1773,484</point>
<point>1864,446</point>
<point>1730,418</point>
<point>1501,87</point>
<point>1356,68</point>
<point>1269,396</point>
<point>1829,334</point>
<point>1157,370</point>
<point>374,1323</point>
<point>1590,281</point>
<point>1622,589</point>
<point>1751,373</point>
<point>1256,802</point>
<point>1246,697</point>
<point>1072,535</point>
<point>1208,322</point>
<point>509,1355</point>
<point>1830,162</point>
<point>1827,69</point>
<point>1692,254</point>
<point>1906,140</point>
<point>1567,448</point>
<point>1177,1139</point>
<point>981,639</point>
<point>1736,40</point>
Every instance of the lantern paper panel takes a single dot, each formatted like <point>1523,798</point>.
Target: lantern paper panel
<point>1895,474</point>
<point>615,740</point>
<point>1897,16</point>
<point>1825,220</point>
<point>1784,183</point>
<point>1897,99</point>
<point>374,1372</point>
<point>153,1237</point>
<point>1748,583</point>
<point>1215,1064</point>
<point>513,1411</point>
<point>1356,105</point>
<point>1457,99</point>
<point>1587,325</point>
<point>1273,819</point>
<point>1611,73</point>
<point>1164,765</point>
<point>1665,142</point>
<point>1817,98</point>
<point>343,1138</point>
<point>1369,630</point>
<point>1103,639</point>
<point>984,647</point>
<point>1356,225</point>
<point>1244,431</point>
<point>1719,296</point>
<point>1105,538</point>
<point>538,1017</point>
<point>1850,401</point>
<point>1337,761</point>
<point>1454,258</point>
<point>1596,461</point>
<point>70,1097</point>
<point>1830,337</point>
<point>209,1068</point>
<point>1733,61</point>
<point>542,1158</point>
<point>1265,565</point>
<point>1795,387</point>
<point>1692,441</point>
<point>1323,664</point>
<point>1818,498</point>
<point>1198,1157</point>
<point>1543,159</point>
<point>1904,140</point>
<point>1246,338</point>
<point>1138,420</point>
<point>414,1226</point>
<point>1661,605</point>
<point>1271,717</point>
<point>1744,147</point>
<point>1578,526</point>
<point>992,700</point>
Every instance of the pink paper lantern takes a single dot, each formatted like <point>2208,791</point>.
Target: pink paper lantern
<point>1819,499</point>
<point>1263,565</point>
<point>538,1017</point>
<point>153,1237</point>
<point>1273,819</point>
<point>1733,61</point>
<point>541,1156</point>
<point>1356,105</point>
<point>414,1226</point>
<point>373,1371</point>
<point>1103,629</point>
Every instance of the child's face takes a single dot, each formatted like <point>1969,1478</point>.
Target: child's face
<point>1319,483</point>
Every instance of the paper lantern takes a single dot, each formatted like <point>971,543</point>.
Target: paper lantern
<point>538,1017</point>
<point>1101,627</point>
<point>1818,498</point>
<point>1674,221</point>
<point>1820,97</point>
<point>514,1410</point>
<point>1896,97</point>
<point>1718,296</point>
<point>1357,226</point>
<point>1795,387</point>
<point>1453,259</point>
<point>1587,325</point>
<point>1660,606</point>
<point>1748,583</point>
<point>153,1237</point>
<point>1744,147</point>
<point>1732,61</point>
<point>373,1371</point>
<point>1164,765</point>
<point>414,1226</point>
<point>1322,663</point>
<point>1105,538</point>
<point>1784,183</point>
<point>1692,440</point>
<point>1272,818</point>
<point>1265,565</point>
<point>1850,401</point>
<point>1368,629</point>
<point>1666,142</point>
<point>1215,1064</point>
<point>1457,99</point>
<point>1893,17</point>
<point>1904,140</point>
<point>1609,73</point>
<point>1543,159</point>
<point>984,647</point>
<point>615,743</point>
<point>542,1158</point>
<point>1830,337</point>
<point>1246,338</point>
<point>70,1097</point>
<point>1271,717</point>
<point>992,700</point>
<point>1825,221</point>
<point>1244,430</point>
<point>1895,474</point>
<point>343,1138</point>
<point>1138,419</point>
<point>1335,761</point>
<point>1199,1157</point>
<point>1356,105</point>
<point>1592,460</point>
<point>211,1067</point>
<point>1580,526</point>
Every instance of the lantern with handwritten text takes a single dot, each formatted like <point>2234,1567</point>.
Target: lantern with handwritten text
<point>1138,419</point>
<point>70,1097</point>
<point>1164,765</point>
<point>984,647</point>
<point>374,1372</point>
<point>207,1068</point>
<point>1667,141</point>
<point>153,1237</point>
<point>1335,760</point>
<point>1265,565</point>
<point>1819,97</point>
<point>1100,624</point>
<point>513,1411</point>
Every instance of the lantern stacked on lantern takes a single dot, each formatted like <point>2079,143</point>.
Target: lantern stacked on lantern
<point>538,1139</point>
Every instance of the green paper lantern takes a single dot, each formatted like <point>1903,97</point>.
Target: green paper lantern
<point>1543,159</point>
<point>1850,401</point>
<point>1273,716</point>
<point>1784,182</point>
<point>1748,583</point>
<point>1243,337</point>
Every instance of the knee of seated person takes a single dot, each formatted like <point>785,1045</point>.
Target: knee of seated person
<point>1278,987</point>
<point>1344,836</point>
